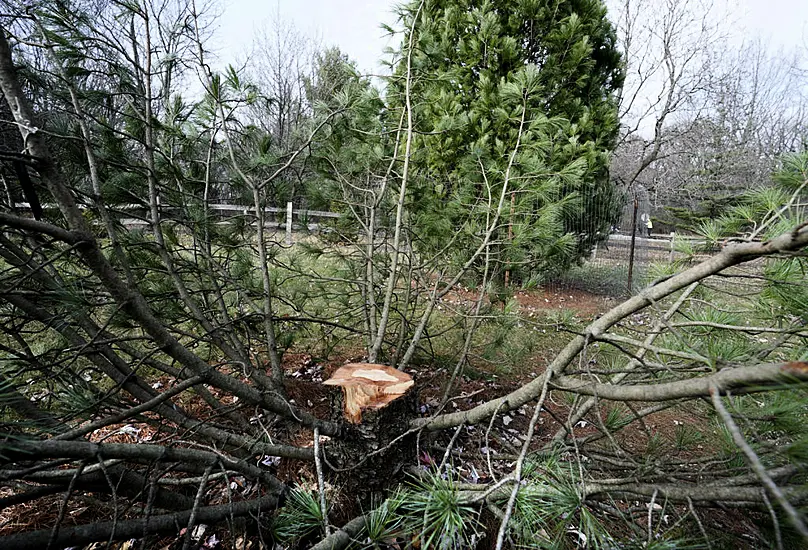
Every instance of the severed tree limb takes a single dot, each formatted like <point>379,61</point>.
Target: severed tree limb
<point>24,450</point>
<point>131,302</point>
<point>136,528</point>
<point>733,254</point>
<point>757,378</point>
<point>342,537</point>
<point>681,492</point>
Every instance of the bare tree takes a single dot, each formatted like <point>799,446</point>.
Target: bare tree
<point>703,121</point>
<point>279,65</point>
<point>671,51</point>
<point>755,117</point>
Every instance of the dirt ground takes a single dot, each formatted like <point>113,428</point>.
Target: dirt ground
<point>584,304</point>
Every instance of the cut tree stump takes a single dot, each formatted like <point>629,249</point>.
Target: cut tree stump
<point>368,386</point>
<point>378,403</point>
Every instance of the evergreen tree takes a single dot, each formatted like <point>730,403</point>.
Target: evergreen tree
<point>465,57</point>
<point>332,72</point>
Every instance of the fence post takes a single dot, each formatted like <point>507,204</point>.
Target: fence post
<point>673,234</point>
<point>631,250</point>
<point>289,222</point>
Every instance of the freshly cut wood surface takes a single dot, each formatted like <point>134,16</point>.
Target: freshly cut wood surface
<point>368,386</point>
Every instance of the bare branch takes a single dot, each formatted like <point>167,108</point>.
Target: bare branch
<point>749,379</point>
<point>136,528</point>
<point>757,465</point>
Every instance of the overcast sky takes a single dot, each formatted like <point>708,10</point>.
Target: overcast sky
<point>354,25</point>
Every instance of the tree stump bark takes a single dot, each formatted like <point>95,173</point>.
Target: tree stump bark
<point>371,452</point>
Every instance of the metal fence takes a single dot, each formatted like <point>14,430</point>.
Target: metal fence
<point>618,263</point>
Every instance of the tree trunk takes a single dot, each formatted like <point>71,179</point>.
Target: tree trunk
<point>369,456</point>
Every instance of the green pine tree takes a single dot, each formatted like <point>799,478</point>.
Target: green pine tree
<point>467,57</point>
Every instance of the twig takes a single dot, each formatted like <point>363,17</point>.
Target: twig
<point>318,465</point>
<point>651,518</point>
<point>698,522</point>
<point>488,444</point>
<point>53,536</point>
<point>517,475</point>
<point>757,465</point>
<point>200,494</point>
<point>775,522</point>
<point>449,448</point>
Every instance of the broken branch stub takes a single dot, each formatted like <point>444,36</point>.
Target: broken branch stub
<point>368,386</point>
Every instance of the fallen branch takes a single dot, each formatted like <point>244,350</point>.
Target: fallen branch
<point>757,378</point>
<point>25,450</point>
<point>135,528</point>
<point>732,255</point>
<point>342,537</point>
<point>681,492</point>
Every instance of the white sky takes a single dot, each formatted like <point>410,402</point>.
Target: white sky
<point>354,25</point>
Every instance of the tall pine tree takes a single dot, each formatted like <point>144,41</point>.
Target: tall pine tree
<point>467,56</point>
